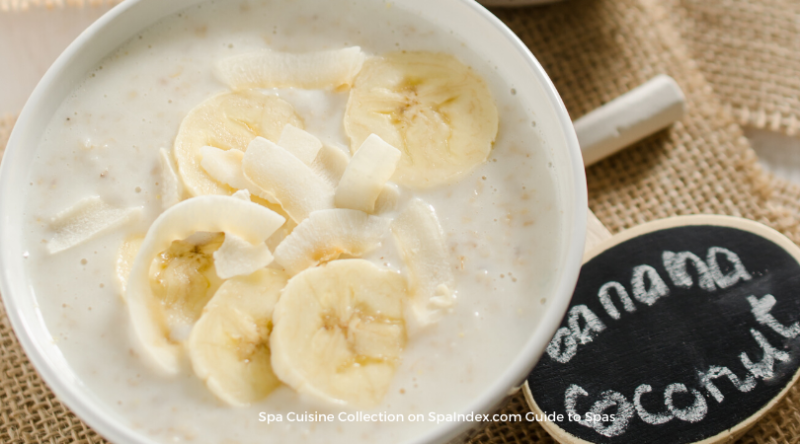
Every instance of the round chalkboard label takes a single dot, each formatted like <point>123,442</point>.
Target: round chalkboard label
<point>679,331</point>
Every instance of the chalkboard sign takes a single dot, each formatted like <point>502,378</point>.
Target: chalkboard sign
<point>679,331</point>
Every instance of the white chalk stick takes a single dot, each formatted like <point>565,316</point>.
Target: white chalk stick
<point>629,118</point>
<point>515,3</point>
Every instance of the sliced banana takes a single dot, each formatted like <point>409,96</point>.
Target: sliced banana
<point>421,243</point>
<point>297,188</point>
<point>183,278</point>
<point>154,317</point>
<point>272,69</point>
<point>237,257</point>
<point>339,331</point>
<point>366,174</point>
<point>227,121</point>
<point>302,144</point>
<point>89,217</point>
<point>125,256</point>
<point>229,344</point>
<point>434,109</point>
<point>326,235</point>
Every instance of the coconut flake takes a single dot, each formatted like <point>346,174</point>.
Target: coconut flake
<point>171,185</point>
<point>88,218</point>
<point>296,187</point>
<point>327,234</point>
<point>226,167</point>
<point>300,143</point>
<point>420,240</point>
<point>237,257</point>
<point>272,69</point>
<point>366,174</point>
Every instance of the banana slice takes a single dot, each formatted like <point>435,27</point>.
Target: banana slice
<point>339,331</point>
<point>183,278</point>
<point>272,69</point>
<point>302,144</point>
<point>328,234</point>
<point>227,121</point>
<point>89,217</point>
<point>171,186</point>
<point>237,257</point>
<point>160,316</point>
<point>421,243</point>
<point>366,174</point>
<point>229,345</point>
<point>125,256</point>
<point>430,106</point>
<point>294,184</point>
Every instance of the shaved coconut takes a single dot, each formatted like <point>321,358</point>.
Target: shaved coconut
<point>210,214</point>
<point>226,167</point>
<point>331,163</point>
<point>86,219</point>
<point>421,243</point>
<point>327,234</point>
<point>387,200</point>
<point>366,174</point>
<point>237,257</point>
<point>171,185</point>
<point>272,69</point>
<point>242,194</point>
<point>300,143</point>
<point>295,186</point>
<point>125,256</point>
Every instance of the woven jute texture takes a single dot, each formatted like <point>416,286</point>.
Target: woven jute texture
<point>749,51</point>
<point>594,50</point>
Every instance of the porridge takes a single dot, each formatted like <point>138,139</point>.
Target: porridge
<point>188,184</point>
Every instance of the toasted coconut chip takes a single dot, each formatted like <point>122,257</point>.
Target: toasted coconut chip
<point>366,174</point>
<point>297,188</point>
<point>271,69</point>
<point>388,199</point>
<point>237,257</point>
<point>300,143</point>
<point>421,243</point>
<point>330,163</point>
<point>171,185</point>
<point>86,219</point>
<point>125,256</point>
<point>226,167</point>
<point>326,235</point>
<point>211,214</point>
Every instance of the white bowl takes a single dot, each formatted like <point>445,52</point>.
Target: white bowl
<point>479,29</point>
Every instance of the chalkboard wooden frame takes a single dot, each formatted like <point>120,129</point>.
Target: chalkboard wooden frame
<point>755,228</point>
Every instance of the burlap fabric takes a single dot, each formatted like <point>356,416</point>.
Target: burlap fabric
<point>594,50</point>
<point>750,51</point>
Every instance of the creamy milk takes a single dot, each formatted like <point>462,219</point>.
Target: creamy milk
<point>502,221</point>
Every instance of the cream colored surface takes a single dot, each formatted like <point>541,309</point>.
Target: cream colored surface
<point>30,42</point>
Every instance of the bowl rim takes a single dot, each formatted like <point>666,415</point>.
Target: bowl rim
<point>110,428</point>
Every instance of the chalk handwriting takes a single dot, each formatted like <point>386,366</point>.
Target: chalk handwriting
<point>761,310</point>
<point>622,294</point>
<point>675,263</point>
<point>650,418</point>
<point>714,372</point>
<point>764,368</point>
<point>726,280</point>
<point>658,288</point>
